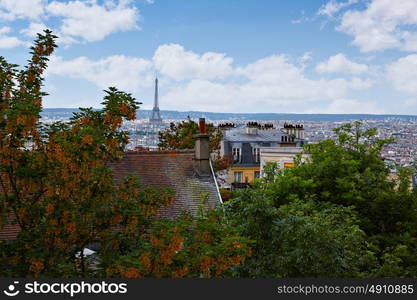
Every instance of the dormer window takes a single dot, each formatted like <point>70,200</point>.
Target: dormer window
<point>256,152</point>
<point>236,155</point>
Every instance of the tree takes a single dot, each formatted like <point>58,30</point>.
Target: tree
<point>299,239</point>
<point>203,246</point>
<point>181,136</point>
<point>351,172</point>
<point>343,191</point>
<point>56,185</point>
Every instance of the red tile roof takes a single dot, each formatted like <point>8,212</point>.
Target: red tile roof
<point>175,170</point>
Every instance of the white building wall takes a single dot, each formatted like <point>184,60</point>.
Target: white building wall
<point>279,155</point>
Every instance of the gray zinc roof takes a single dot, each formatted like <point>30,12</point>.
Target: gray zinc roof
<point>240,135</point>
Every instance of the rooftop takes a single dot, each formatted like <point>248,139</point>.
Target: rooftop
<point>172,169</point>
<point>240,135</point>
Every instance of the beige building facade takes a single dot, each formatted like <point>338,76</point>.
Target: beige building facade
<point>283,156</point>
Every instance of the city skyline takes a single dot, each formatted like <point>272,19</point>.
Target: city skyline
<point>351,56</point>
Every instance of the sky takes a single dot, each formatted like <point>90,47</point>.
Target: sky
<point>282,56</point>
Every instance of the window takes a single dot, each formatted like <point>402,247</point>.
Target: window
<point>257,174</point>
<point>256,152</point>
<point>236,154</point>
<point>238,176</point>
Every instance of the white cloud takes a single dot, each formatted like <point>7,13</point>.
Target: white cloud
<point>403,74</point>
<point>204,95</point>
<point>79,20</point>
<point>352,106</point>
<point>174,61</point>
<point>271,69</point>
<point>126,73</point>
<point>411,102</point>
<point>340,64</point>
<point>33,29</point>
<point>210,82</point>
<point>8,42</point>
<point>93,22</point>
<point>306,57</point>
<point>21,9</point>
<point>384,24</point>
<point>333,7</point>
<point>266,84</point>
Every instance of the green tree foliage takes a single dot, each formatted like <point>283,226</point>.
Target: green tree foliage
<point>342,191</point>
<point>299,239</point>
<point>181,136</point>
<point>56,186</point>
<point>350,171</point>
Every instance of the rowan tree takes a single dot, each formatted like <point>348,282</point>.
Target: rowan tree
<point>55,182</point>
<point>202,246</point>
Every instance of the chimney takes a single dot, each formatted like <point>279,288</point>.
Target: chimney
<point>299,131</point>
<point>202,125</point>
<point>252,128</point>
<point>202,153</point>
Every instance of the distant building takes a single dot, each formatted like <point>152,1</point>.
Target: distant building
<point>156,115</point>
<point>282,156</point>
<point>244,145</point>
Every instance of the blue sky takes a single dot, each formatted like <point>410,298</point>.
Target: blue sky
<point>300,56</point>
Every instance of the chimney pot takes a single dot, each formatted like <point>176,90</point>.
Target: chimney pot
<point>202,125</point>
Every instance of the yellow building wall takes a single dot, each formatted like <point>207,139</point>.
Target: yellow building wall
<point>247,172</point>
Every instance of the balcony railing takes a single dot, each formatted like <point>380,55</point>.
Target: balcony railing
<point>240,185</point>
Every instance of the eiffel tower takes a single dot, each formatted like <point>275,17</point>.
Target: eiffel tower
<point>156,116</point>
